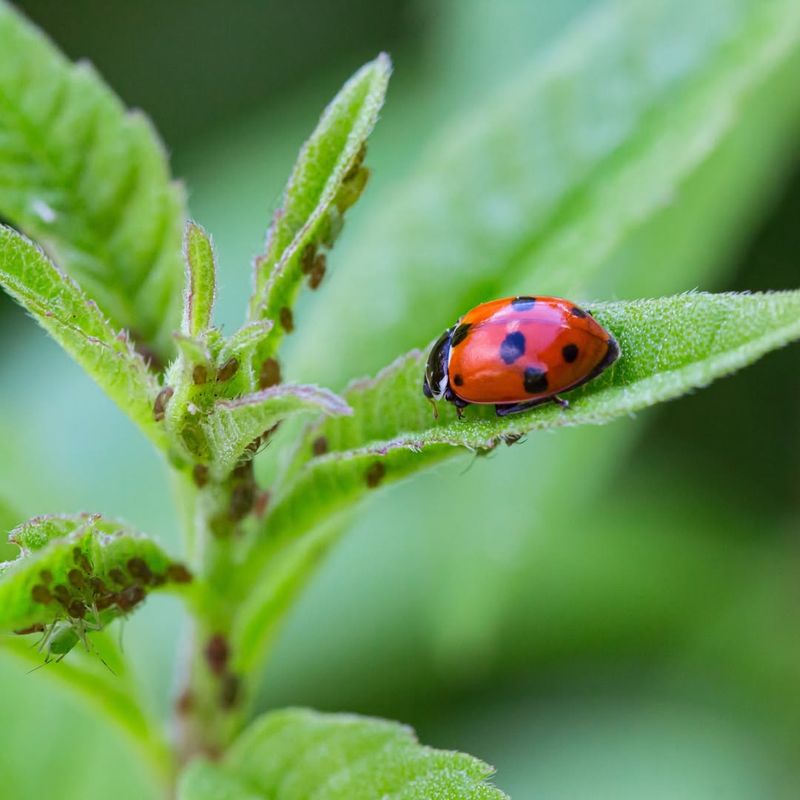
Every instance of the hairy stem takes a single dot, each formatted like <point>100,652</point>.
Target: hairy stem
<point>209,709</point>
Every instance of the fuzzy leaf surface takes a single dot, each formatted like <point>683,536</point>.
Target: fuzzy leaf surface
<point>669,346</point>
<point>89,181</point>
<point>233,425</point>
<point>198,300</point>
<point>327,178</point>
<point>59,305</point>
<point>296,754</point>
<point>90,558</point>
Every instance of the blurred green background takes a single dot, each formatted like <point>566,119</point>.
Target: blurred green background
<point>604,613</point>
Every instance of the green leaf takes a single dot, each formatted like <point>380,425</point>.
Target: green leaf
<point>234,425</point>
<point>328,177</point>
<point>539,188</point>
<point>201,280</point>
<point>247,338</point>
<point>90,182</point>
<point>669,347</point>
<point>294,754</point>
<point>112,694</point>
<point>59,305</point>
<point>76,568</point>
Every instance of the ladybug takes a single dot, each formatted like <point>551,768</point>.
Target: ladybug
<point>517,353</point>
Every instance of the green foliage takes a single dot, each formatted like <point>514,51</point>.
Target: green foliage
<point>201,277</point>
<point>89,181</point>
<point>76,322</point>
<point>531,190</point>
<point>79,568</point>
<point>540,189</point>
<point>327,179</point>
<point>235,424</point>
<point>669,347</point>
<point>295,754</point>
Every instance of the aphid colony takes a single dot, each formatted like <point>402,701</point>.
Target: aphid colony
<point>88,602</point>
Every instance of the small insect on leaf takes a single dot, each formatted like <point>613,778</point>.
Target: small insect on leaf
<point>83,570</point>
<point>327,178</point>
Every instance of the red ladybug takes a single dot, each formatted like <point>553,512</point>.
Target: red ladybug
<point>517,353</point>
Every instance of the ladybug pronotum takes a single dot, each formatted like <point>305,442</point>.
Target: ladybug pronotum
<point>517,353</point>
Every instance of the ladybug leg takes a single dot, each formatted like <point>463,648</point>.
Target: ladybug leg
<point>560,401</point>
<point>453,398</point>
<point>460,406</point>
<point>517,408</point>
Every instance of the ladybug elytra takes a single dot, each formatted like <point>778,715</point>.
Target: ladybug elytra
<point>517,353</point>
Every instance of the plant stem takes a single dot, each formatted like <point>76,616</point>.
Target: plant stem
<point>209,708</point>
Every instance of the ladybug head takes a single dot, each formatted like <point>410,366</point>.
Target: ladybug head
<point>435,382</point>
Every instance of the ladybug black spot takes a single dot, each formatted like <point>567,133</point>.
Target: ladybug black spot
<point>512,347</point>
<point>570,352</point>
<point>523,303</point>
<point>535,380</point>
<point>460,333</point>
<point>578,312</point>
<point>458,380</point>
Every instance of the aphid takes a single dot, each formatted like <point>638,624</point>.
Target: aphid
<point>178,573</point>
<point>37,627</point>
<point>319,446</point>
<point>243,496</point>
<point>228,370</point>
<point>375,474</point>
<point>200,475</point>
<point>357,162</point>
<point>75,577</point>
<point>307,258</point>
<point>61,639</point>
<point>77,609</point>
<point>61,593</point>
<point>517,353</point>
<point>317,271</point>
<point>139,569</point>
<point>46,576</point>
<point>129,597</point>
<point>286,319</point>
<point>199,375</point>
<point>118,576</point>
<point>79,557</point>
<point>217,653</point>
<point>160,404</point>
<point>41,594</point>
<point>104,601</point>
<point>269,374</point>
